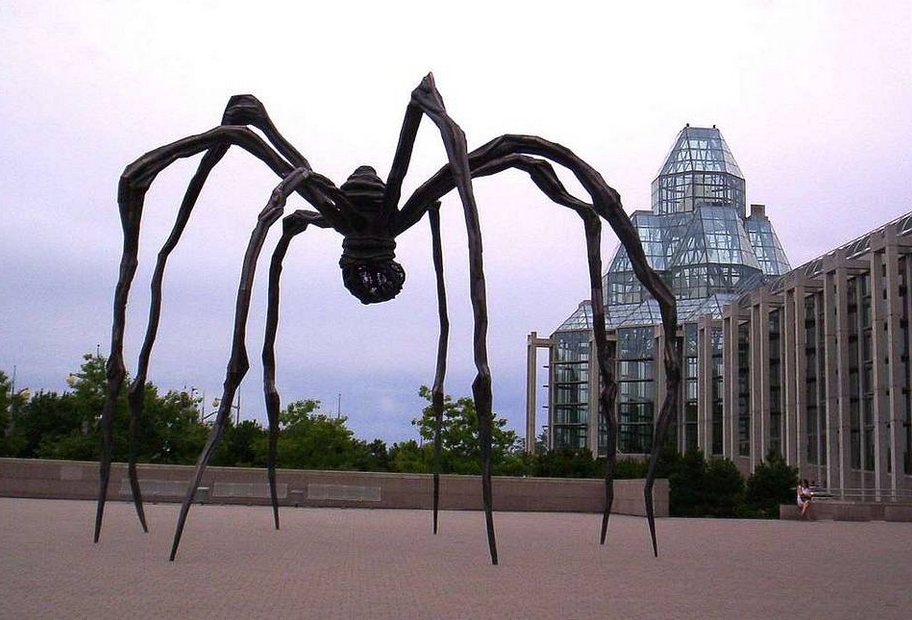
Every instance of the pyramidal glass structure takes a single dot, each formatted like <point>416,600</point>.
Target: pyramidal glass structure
<point>702,240</point>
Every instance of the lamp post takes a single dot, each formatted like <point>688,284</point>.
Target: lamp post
<point>216,402</point>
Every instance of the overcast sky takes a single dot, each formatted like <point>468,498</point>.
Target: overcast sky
<point>813,98</point>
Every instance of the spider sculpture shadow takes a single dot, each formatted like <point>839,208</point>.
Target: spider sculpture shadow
<point>366,212</point>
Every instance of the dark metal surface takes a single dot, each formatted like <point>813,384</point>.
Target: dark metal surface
<point>437,393</point>
<point>366,212</point>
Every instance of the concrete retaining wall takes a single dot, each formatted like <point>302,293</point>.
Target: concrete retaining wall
<point>238,485</point>
<point>834,510</point>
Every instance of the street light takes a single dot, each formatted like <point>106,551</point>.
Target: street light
<point>216,402</point>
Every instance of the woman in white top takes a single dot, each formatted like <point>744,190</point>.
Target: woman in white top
<point>804,497</point>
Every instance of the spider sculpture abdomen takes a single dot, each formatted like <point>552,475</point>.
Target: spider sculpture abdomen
<point>366,212</point>
<point>368,269</point>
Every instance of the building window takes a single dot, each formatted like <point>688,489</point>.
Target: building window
<point>744,446</point>
<point>775,382</point>
<point>636,398</point>
<point>717,387</point>
<point>569,400</point>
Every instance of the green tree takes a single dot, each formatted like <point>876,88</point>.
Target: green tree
<point>371,456</point>
<point>460,451</point>
<point>7,403</point>
<point>65,426</point>
<point>311,440</point>
<point>408,457</point>
<point>239,445</point>
<point>541,443</point>
<point>49,418</point>
<point>772,483</point>
<point>171,431</point>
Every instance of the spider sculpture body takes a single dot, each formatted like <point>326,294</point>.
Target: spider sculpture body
<point>367,213</point>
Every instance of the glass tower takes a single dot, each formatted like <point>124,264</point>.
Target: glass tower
<point>699,237</point>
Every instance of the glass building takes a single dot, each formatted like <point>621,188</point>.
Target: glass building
<point>701,239</point>
<point>811,362</point>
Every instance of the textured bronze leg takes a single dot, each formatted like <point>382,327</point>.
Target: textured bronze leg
<point>241,110</point>
<point>608,387</point>
<point>134,184</point>
<point>428,100</point>
<point>238,364</point>
<point>292,226</point>
<point>437,394</point>
<point>505,152</point>
<point>669,406</point>
<point>137,387</point>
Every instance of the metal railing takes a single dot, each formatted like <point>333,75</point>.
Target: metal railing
<point>863,495</point>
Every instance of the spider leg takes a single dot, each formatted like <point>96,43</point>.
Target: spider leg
<point>292,225</point>
<point>238,363</point>
<point>437,393</point>
<point>136,390</point>
<point>608,386</point>
<point>542,174</point>
<point>607,204</point>
<point>134,183</point>
<point>545,179</point>
<point>240,110</point>
<point>426,99</point>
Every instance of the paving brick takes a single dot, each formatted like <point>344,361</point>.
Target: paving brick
<point>385,564</point>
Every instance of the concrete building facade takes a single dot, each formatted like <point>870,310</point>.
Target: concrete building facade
<point>811,362</point>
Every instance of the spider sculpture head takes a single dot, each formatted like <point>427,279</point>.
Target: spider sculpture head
<point>368,269</point>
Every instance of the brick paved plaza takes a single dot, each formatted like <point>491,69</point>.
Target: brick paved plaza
<point>334,563</point>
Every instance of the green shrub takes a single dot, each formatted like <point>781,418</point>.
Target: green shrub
<point>700,488</point>
<point>686,497</point>
<point>723,488</point>
<point>629,469</point>
<point>567,463</point>
<point>772,483</point>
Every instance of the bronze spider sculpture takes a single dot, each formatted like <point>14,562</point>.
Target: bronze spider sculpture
<point>366,212</point>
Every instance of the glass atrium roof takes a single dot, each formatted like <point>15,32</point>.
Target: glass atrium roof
<point>696,237</point>
<point>581,319</point>
<point>647,312</point>
<point>699,169</point>
<point>700,149</point>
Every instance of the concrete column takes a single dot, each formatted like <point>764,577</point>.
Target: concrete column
<point>798,380</point>
<point>820,429</point>
<point>552,356</point>
<point>831,379</point>
<point>764,374</point>
<point>836,327</point>
<point>789,356</point>
<point>708,380</point>
<point>531,387</point>
<point>880,372</point>
<point>533,343</point>
<point>759,381</point>
<point>754,382</point>
<point>857,330</point>
<point>896,379</point>
<point>844,393</point>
